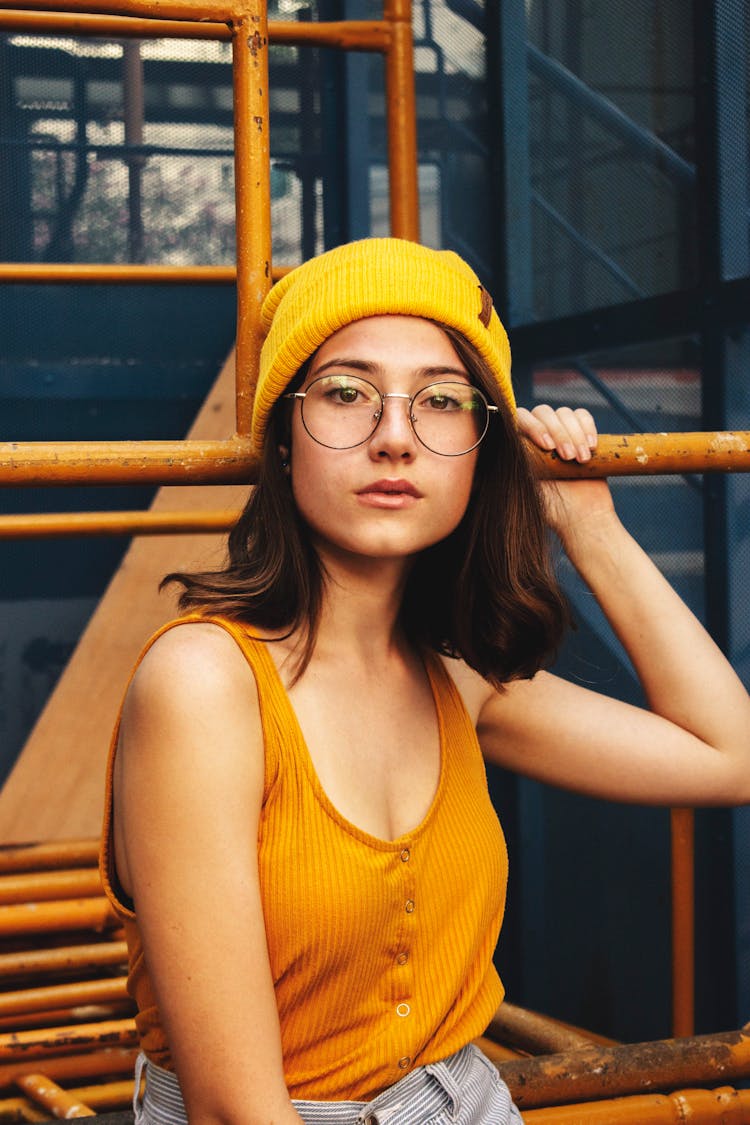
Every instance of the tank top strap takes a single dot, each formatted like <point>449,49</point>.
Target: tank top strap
<point>453,719</point>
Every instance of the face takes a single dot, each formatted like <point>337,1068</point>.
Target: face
<point>389,497</point>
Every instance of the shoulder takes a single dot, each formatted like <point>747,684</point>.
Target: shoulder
<point>192,683</point>
<point>192,657</point>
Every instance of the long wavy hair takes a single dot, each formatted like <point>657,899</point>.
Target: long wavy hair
<point>486,593</point>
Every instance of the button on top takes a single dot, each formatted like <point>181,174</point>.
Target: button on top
<point>405,855</point>
<point>404,1062</point>
<point>409,907</point>
<point>402,958</point>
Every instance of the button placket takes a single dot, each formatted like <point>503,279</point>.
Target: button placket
<point>403,962</point>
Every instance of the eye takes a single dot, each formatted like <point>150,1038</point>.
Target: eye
<point>443,401</point>
<point>346,394</point>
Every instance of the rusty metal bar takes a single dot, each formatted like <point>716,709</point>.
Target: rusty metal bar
<point>147,462</point>
<point>107,1061</point>
<point>682,828</point>
<point>252,163</point>
<point>49,856</point>
<point>605,1072</point>
<point>724,1106</point>
<point>49,1095</point>
<point>74,994</point>
<point>536,1034</point>
<point>401,122</point>
<point>94,955</point>
<point>41,1042</point>
<point>233,461</point>
<point>42,886</point>
<point>347,35</point>
<point>219,11</point>
<point>61,1017</point>
<point>43,917</point>
<point>61,524</point>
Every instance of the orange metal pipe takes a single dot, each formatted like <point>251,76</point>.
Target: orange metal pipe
<point>233,461</point>
<point>61,524</point>
<point>252,163</point>
<point>401,122</point>
<point>43,917</point>
<point>682,825</point>
<point>347,35</point>
<point>724,1106</point>
<point>47,856</point>
<point>48,1094</point>
<point>53,273</point>
<point>201,10</point>
<point>115,1060</point>
<point>75,994</point>
<point>37,962</point>
<point>43,886</point>
<point>42,1042</point>
<point>21,1109</point>
<point>150,462</point>
<point>601,1072</point>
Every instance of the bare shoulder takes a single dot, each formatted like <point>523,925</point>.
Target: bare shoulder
<point>191,665</point>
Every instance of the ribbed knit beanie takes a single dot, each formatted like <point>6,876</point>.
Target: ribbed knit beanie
<point>372,277</point>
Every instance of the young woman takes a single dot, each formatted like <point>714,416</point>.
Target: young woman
<point>298,833</point>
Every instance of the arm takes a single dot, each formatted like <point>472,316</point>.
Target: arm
<point>188,789</point>
<point>693,745</point>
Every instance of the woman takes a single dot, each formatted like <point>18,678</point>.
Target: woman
<point>298,834</point>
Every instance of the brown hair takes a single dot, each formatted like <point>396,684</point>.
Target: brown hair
<point>486,593</point>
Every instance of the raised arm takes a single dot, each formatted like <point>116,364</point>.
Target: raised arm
<point>693,745</point>
<point>188,789</point>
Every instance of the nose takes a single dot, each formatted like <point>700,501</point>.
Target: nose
<point>394,435</point>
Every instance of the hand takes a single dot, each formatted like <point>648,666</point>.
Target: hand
<point>572,434</point>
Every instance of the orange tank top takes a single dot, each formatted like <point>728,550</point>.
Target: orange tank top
<point>381,950</point>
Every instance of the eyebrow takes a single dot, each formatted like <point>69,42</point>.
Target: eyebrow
<point>370,368</point>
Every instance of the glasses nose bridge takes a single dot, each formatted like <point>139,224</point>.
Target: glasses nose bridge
<point>409,399</point>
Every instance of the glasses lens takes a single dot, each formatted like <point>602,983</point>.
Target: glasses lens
<point>450,418</point>
<point>341,411</point>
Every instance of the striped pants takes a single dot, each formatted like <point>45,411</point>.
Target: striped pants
<point>464,1089</point>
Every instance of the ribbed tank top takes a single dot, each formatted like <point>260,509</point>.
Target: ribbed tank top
<point>381,950</point>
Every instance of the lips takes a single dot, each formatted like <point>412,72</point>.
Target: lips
<point>391,488</point>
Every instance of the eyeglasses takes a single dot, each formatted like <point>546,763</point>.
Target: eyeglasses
<point>343,411</point>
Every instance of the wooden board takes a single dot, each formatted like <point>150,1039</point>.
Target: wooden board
<point>55,790</point>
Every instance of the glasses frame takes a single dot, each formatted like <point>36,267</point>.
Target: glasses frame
<point>489,407</point>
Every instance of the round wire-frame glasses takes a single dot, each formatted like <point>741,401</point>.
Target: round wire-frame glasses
<point>343,411</point>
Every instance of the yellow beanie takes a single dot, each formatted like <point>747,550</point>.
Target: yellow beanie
<point>373,277</point>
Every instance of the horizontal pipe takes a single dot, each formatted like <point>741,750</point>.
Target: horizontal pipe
<point>603,1072</point>
<point>35,886</point>
<point>74,994</point>
<point>233,461</point>
<point>127,462</point>
<point>724,1106</point>
<point>109,1060</point>
<point>64,958</point>
<point>61,1017</point>
<point>92,273</point>
<point>347,35</point>
<point>48,856</point>
<point>61,524</point>
<point>41,1042</point>
<point>44,917</point>
<point>106,1095</point>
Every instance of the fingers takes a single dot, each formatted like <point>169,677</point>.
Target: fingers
<point>570,433</point>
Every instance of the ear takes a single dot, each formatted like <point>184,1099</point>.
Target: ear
<point>284,454</point>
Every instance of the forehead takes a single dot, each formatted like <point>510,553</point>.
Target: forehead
<point>402,342</point>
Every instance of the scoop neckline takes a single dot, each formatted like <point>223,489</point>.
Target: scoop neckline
<point>378,842</point>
